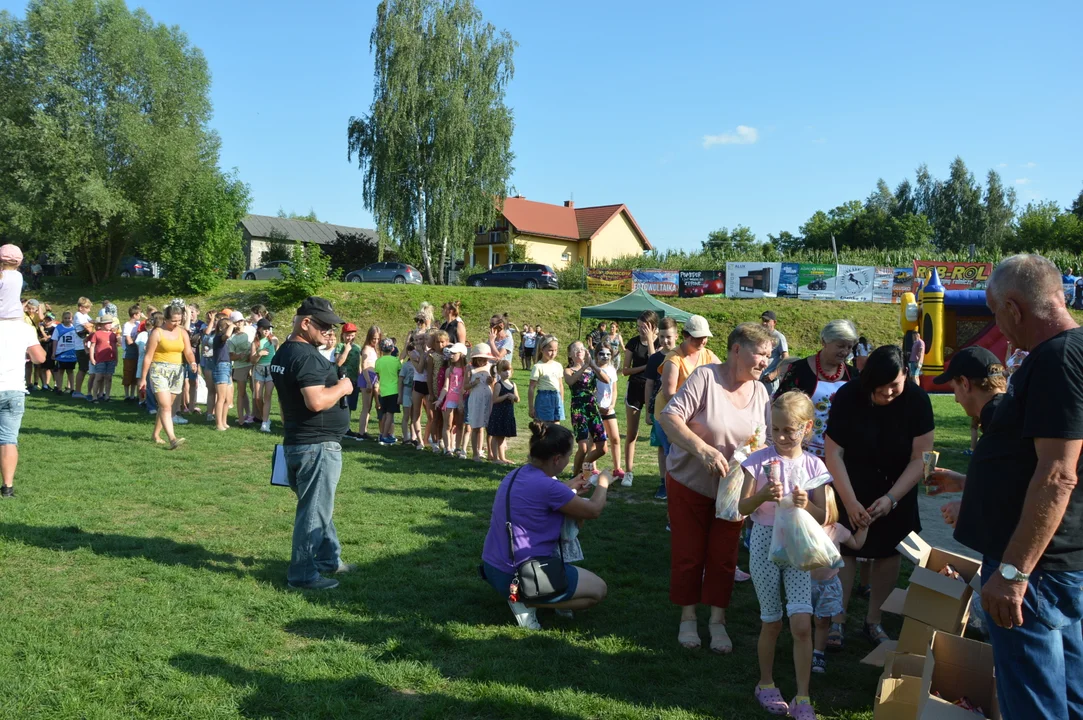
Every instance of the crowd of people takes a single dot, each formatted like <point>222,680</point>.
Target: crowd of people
<point>848,415</point>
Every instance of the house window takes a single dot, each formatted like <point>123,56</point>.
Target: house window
<point>566,256</point>
<point>494,237</point>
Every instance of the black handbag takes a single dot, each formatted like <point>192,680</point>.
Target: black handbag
<point>537,578</point>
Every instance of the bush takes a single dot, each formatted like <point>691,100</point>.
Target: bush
<point>467,272</point>
<point>309,272</point>
<point>573,277</point>
<point>276,250</point>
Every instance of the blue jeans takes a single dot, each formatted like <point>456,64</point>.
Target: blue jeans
<point>152,402</point>
<point>313,472</point>
<point>1039,666</point>
<point>12,407</point>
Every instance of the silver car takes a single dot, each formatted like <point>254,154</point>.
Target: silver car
<point>386,272</point>
<point>269,271</point>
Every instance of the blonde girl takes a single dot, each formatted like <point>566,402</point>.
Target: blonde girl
<point>502,417</point>
<point>545,399</point>
<point>437,372</point>
<point>451,400</point>
<point>222,371</point>
<point>479,397</point>
<point>770,474</point>
<point>367,379</point>
<point>418,356</point>
<point>581,378</point>
<point>606,395</point>
<point>826,586</point>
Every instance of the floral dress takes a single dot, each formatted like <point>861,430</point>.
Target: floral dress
<point>586,419</point>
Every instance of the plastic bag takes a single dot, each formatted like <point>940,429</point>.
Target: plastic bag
<point>797,539</point>
<point>730,486</point>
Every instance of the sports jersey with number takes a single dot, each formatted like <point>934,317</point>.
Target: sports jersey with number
<point>64,343</point>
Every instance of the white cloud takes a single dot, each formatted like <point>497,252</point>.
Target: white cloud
<point>1031,164</point>
<point>1022,181</point>
<point>1002,165</point>
<point>744,135</point>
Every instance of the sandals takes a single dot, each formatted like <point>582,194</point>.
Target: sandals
<point>770,699</point>
<point>875,633</point>
<point>688,634</point>
<point>801,710</point>
<point>176,443</point>
<point>720,639</point>
<point>834,637</point>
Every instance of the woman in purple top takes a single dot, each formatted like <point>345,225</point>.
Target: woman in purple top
<point>539,505</point>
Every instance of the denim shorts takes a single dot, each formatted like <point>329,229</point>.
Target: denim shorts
<point>12,407</point>
<point>223,373</point>
<point>915,370</point>
<point>827,597</point>
<point>500,581</point>
<point>548,407</point>
<point>104,368</point>
<point>261,373</point>
<point>191,374</point>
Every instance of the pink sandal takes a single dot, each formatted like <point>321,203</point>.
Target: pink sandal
<point>801,711</point>
<point>770,699</point>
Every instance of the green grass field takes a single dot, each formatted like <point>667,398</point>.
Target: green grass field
<point>143,583</point>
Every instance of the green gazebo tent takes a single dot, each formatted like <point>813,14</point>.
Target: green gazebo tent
<point>629,307</point>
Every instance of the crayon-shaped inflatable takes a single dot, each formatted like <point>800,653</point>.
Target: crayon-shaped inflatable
<point>932,325</point>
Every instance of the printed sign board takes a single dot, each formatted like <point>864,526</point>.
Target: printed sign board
<point>816,282</point>
<point>609,279</point>
<point>656,282</point>
<point>788,278</point>
<point>882,283</point>
<point>954,275</point>
<point>748,280</point>
<point>853,283</point>
<point>697,283</point>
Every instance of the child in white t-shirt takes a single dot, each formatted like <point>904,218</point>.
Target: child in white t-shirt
<point>11,283</point>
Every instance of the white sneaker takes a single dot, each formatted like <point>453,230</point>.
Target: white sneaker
<point>152,412</point>
<point>178,420</point>
<point>265,427</point>
<point>627,480</point>
<point>526,617</point>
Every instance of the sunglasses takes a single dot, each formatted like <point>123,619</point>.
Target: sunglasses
<point>324,329</point>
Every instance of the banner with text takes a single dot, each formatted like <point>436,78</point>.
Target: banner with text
<point>853,283</point>
<point>882,283</point>
<point>903,282</point>
<point>954,275</point>
<point>749,280</point>
<point>656,282</point>
<point>816,282</point>
<point>697,283</point>
<point>788,278</point>
<point>609,279</point>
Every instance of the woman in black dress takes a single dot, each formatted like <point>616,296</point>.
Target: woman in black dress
<point>636,354</point>
<point>878,428</point>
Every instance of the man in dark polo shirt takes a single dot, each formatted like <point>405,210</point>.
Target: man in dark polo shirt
<point>1022,508</point>
<point>314,418</point>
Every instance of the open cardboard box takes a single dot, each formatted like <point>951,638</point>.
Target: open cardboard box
<point>955,668</point>
<point>914,639</point>
<point>941,602</point>
<point>899,692</point>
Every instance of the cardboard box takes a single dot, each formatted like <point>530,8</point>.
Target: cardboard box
<point>914,638</point>
<point>936,600</point>
<point>899,692</point>
<point>955,668</point>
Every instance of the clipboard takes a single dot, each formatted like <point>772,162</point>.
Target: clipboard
<point>279,476</point>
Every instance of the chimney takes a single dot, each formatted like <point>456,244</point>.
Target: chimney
<point>569,203</point>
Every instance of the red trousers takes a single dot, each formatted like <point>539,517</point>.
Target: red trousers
<point>703,549</point>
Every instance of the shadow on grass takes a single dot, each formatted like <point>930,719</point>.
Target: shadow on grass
<point>273,696</point>
<point>72,434</point>
<point>156,549</point>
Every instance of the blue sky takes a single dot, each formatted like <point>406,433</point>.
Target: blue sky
<point>696,115</point>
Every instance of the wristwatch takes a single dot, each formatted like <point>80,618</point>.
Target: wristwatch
<point>1013,574</point>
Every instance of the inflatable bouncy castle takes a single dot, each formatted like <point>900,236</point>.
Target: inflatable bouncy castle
<point>948,321</point>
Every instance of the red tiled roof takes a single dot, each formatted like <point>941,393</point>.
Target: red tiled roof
<point>559,221</point>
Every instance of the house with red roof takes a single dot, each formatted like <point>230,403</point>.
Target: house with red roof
<point>560,235</point>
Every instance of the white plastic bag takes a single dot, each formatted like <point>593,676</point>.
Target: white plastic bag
<point>797,539</point>
<point>730,486</point>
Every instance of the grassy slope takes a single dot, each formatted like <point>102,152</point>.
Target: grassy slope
<point>393,307</point>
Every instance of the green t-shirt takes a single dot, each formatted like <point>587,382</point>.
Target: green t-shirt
<point>240,343</point>
<point>352,366</point>
<point>387,368</point>
<point>267,345</point>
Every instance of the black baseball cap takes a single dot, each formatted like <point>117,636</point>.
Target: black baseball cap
<point>319,308</point>
<point>263,324</point>
<point>971,362</point>
<point>769,315</point>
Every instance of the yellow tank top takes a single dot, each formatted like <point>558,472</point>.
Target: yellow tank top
<point>169,350</point>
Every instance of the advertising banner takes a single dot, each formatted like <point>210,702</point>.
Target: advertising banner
<point>609,279</point>
<point>816,282</point>
<point>749,280</point>
<point>656,282</point>
<point>787,279</point>
<point>954,275</point>
<point>854,283</point>
<point>902,282</point>
<point>882,283</point>
<point>697,283</point>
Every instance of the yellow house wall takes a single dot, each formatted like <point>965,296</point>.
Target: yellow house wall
<point>548,251</point>
<point>615,239</point>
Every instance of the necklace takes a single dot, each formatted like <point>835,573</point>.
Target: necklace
<point>824,375</point>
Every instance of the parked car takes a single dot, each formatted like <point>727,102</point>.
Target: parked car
<point>525,275</point>
<point>134,267</point>
<point>267,271</point>
<point>387,272</point>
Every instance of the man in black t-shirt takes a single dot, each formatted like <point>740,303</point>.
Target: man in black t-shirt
<point>315,416</point>
<point>1022,507</point>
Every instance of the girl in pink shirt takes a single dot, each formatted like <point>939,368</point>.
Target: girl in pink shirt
<point>770,474</point>
<point>451,400</point>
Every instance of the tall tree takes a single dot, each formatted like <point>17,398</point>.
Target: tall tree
<point>1077,206</point>
<point>103,126</point>
<point>999,209</point>
<point>435,147</point>
<point>958,218</point>
<point>720,241</point>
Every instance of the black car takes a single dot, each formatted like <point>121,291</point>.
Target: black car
<point>134,267</point>
<point>524,275</point>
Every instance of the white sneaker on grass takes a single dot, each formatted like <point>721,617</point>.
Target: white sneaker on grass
<point>627,480</point>
<point>526,617</point>
<point>265,427</point>
<point>178,420</point>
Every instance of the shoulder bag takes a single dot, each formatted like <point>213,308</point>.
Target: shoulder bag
<point>535,579</point>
